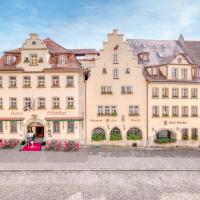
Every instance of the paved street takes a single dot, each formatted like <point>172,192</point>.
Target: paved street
<point>101,173</point>
<point>100,185</point>
<point>106,158</point>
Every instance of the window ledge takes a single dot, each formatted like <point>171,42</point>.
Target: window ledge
<point>70,86</point>
<point>56,108</point>
<point>41,86</point>
<point>12,87</point>
<point>71,108</point>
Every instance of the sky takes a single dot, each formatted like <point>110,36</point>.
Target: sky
<point>85,23</point>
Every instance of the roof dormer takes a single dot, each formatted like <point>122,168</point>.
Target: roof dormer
<point>144,56</point>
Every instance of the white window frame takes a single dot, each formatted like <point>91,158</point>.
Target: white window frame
<point>56,126</point>
<point>55,102</point>
<point>115,73</point>
<point>70,127</point>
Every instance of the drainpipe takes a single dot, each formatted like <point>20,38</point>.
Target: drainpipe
<point>85,114</point>
<point>147,118</point>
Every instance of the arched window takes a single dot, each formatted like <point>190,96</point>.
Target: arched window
<point>98,134</point>
<point>134,134</point>
<point>62,59</point>
<point>115,134</point>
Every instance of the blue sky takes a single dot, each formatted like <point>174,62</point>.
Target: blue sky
<point>86,22</point>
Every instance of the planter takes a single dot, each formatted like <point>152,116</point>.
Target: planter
<point>98,137</point>
<point>116,136</point>
<point>134,137</point>
<point>165,140</point>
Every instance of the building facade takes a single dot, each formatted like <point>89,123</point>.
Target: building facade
<point>116,96</point>
<point>42,90</point>
<point>132,92</point>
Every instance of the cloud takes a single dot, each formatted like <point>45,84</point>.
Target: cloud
<point>86,22</point>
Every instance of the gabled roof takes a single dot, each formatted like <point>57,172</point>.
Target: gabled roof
<point>55,47</point>
<point>192,49</point>
<point>160,51</point>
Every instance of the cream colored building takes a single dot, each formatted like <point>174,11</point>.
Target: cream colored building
<point>42,89</point>
<point>172,73</point>
<point>115,95</point>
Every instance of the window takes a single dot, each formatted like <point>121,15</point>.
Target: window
<point>13,127</point>
<point>175,111</point>
<point>1,81</point>
<point>165,111</point>
<point>56,102</point>
<point>165,92</point>
<point>133,110</point>
<point>194,111</point>
<point>100,110</point>
<point>126,90</point>
<point>115,58</point>
<point>62,60</point>
<point>194,93</point>
<point>27,81</point>
<point>175,93</point>
<point>184,73</point>
<point>1,127</point>
<point>56,127</point>
<point>184,93</point>
<point>70,102</point>
<point>1,103</point>
<point>12,81</point>
<point>27,103</point>
<point>70,81</point>
<point>155,111</point>
<point>184,134</point>
<point>164,134</point>
<point>106,89</point>
<point>194,133</point>
<point>107,110</point>
<point>13,103</point>
<point>198,72</point>
<point>184,111</point>
<point>34,59</point>
<point>113,110</point>
<point>41,81</point>
<point>115,131</point>
<point>174,73</point>
<point>70,127</point>
<point>155,92</point>
<point>10,60</point>
<point>154,71</point>
<point>115,73</point>
<point>41,102</point>
<point>55,81</point>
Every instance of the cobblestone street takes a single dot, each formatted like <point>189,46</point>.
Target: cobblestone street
<point>100,185</point>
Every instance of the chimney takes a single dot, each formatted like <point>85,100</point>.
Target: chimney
<point>181,39</point>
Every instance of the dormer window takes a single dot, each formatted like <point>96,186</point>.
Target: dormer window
<point>10,60</point>
<point>144,56</point>
<point>115,58</point>
<point>34,59</point>
<point>198,72</point>
<point>62,60</point>
<point>154,71</point>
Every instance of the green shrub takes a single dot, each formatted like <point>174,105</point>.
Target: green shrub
<point>115,136</point>
<point>165,140</point>
<point>134,137</point>
<point>98,137</point>
<point>185,136</point>
<point>194,136</point>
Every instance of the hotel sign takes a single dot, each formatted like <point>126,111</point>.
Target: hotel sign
<point>174,122</point>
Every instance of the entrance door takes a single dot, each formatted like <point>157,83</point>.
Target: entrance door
<point>39,131</point>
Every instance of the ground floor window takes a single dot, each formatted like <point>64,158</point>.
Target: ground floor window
<point>184,132</point>
<point>194,135</point>
<point>98,134</point>
<point>70,127</point>
<point>134,134</point>
<point>13,127</point>
<point>56,127</point>
<point>115,134</point>
<point>165,136</point>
